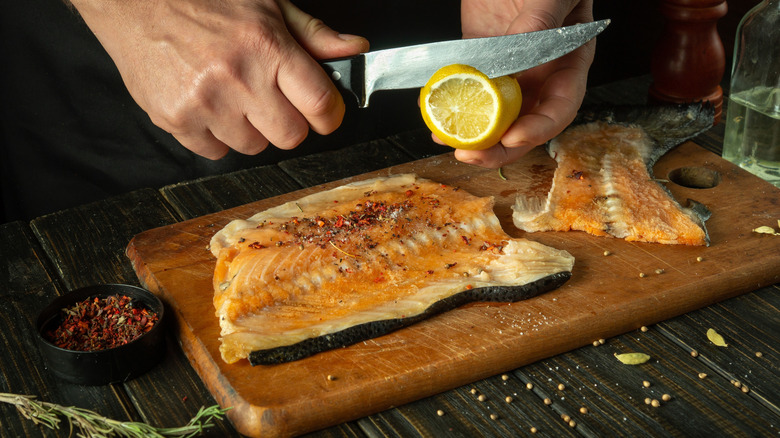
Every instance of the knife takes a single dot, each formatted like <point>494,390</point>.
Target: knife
<point>413,66</point>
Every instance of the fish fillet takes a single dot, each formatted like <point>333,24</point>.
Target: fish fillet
<point>364,259</point>
<point>603,185</point>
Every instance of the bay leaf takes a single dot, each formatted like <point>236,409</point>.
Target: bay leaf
<point>632,358</point>
<point>766,230</point>
<point>716,338</point>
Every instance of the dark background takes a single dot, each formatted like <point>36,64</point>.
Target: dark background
<point>624,50</point>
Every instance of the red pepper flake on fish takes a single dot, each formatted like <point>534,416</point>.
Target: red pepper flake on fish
<point>401,258</point>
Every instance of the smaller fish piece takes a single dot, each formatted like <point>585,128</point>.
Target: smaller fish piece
<point>604,182</point>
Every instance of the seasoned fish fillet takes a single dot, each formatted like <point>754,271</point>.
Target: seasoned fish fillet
<point>603,184</point>
<point>361,260</point>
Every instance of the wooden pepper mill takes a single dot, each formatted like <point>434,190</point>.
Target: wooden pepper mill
<point>689,60</point>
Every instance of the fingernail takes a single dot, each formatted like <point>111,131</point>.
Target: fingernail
<point>349,37</point>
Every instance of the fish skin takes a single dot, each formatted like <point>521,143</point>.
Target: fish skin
<point>609,204</point>
<point>363,332</point>
<point>285,284</point>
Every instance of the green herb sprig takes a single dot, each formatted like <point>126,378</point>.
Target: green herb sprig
<point>93,425</point>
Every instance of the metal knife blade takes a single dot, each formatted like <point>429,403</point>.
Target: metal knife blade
<point>413,66</point>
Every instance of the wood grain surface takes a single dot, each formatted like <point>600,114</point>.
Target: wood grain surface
<point>605,297</point>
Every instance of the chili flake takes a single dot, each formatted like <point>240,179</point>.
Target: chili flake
<point>101,323</point>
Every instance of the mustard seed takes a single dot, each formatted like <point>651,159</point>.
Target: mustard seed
<point>736,383</point>
<point>331,377</point>
<point>644,328</point>
<point>596,343</point>
<point>694,353</point>
<point>572,423</point>
<point>440,413</point>
<point>583,410</point>
<point>666,397</point>
<point>745,389</point>
<point>473,390</point>
<point>602,341</point>
<point>659,271</point>
<point>699,259</point>
<point>561,387</point>
<point>646,384</point>
<point>529,385</point>
<point>504,377</point>
<point>565,418</point>
<point>759,354</point>
<point>642,275</point>
<point>481,397</point>
<point>547,401</point>
<point>508,399</point>
<point>647,400</point>
<point>534,430</point>
<point>702,375</point>
<point>606,253</point>
<point>494,416</point>
<point>655,403</point>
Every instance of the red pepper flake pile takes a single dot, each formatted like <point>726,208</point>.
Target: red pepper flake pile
<point>101,323</point>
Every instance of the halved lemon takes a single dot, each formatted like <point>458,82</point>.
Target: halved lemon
<point>468,110</point>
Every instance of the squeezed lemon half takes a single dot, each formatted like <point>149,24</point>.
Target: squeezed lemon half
<point>468,110</point>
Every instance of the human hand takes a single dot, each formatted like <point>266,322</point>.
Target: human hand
<point>220,75</point>
<point>552,92</point>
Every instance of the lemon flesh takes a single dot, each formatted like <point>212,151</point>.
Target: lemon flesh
<point>468,110</point>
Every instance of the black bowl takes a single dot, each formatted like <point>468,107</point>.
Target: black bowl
<point>111,365</point>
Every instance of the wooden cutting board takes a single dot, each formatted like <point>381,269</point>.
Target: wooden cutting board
<point>606,296</point>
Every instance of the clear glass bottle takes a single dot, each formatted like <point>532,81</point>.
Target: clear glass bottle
<point>752,138</point>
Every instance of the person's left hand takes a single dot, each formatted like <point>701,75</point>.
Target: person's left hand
<point>553,92</point>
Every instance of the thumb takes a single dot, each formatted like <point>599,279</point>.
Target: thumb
<point>317,38</point>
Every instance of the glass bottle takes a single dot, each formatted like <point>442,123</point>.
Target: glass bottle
<point>752,138</point>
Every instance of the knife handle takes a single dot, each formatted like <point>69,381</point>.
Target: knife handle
<point>347,73</point>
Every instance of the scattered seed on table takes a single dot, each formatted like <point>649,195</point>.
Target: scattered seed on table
<point>504,377</point>
<point>565,418</point>
<point>440,412</point>
<point>561,387</point>
<point>508,399</point>
<point>655,403</point>
<point>602,341</point>
<point>473,390</point>
<point>596,343</point>
<point>331,377</point>
<point>699,259</point>
<point>644,328</point>
<point>529,385</point>
<point>583,410</point>
<point>702,375</point>
<point>642,275</point>
<point>736,383</point>
<point>606,253</point>
<point>666,397</point>
<point>572,423</point>
<point>547,401</point>
<point>745,389</point>
<point>481,397</point>
<point>659,271</point>
<point>646,384</point>
<point>759,354</point>
<point>694,353</point>
<point>494,416</point>
<point>647,401</point>
<point>534,430</point>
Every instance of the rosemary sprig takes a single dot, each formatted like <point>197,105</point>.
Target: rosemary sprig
<point>93,425</point>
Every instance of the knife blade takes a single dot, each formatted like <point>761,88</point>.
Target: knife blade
<point>413,66</point>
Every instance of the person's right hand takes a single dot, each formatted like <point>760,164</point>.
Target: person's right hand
<point>225,74</point>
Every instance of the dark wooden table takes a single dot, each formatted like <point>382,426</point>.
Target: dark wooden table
<point>86,245</point>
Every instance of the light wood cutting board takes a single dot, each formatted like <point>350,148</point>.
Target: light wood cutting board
<point>605,297</point>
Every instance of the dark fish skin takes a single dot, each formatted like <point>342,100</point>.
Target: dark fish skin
<point>669,125</point>
<point>362,332</point>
